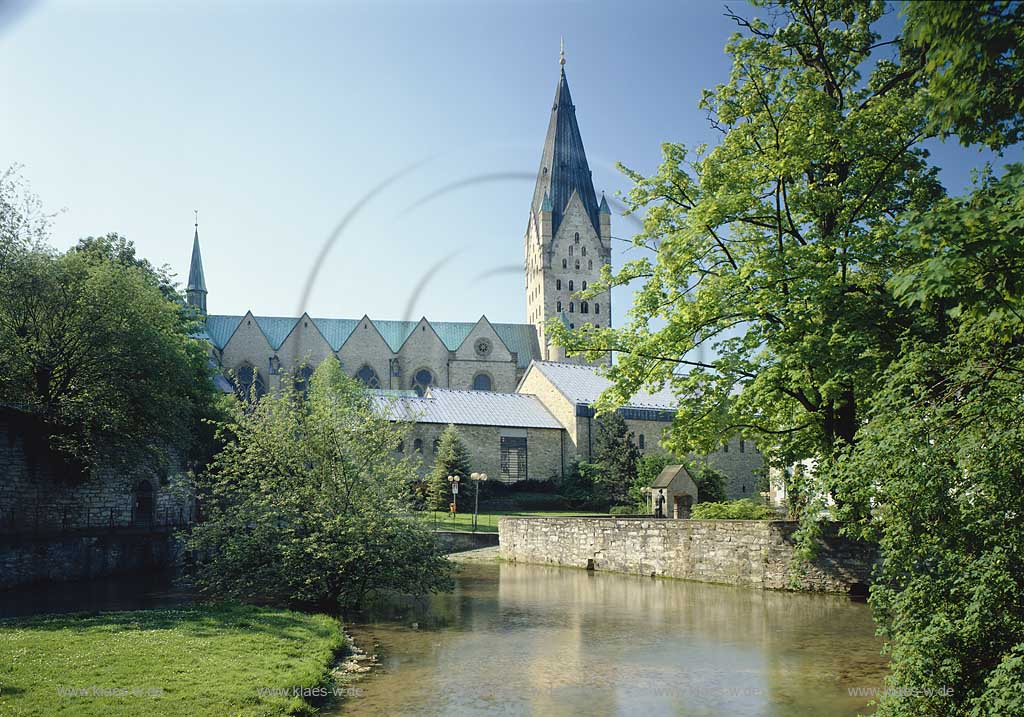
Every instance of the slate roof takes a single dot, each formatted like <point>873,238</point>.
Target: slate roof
<point>583,384</point>
<point>669,473</point>
<point>563,163</point>
<point>518,338</point>
<point>472,408</point>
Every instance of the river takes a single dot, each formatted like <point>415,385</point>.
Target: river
<point>518,639</point>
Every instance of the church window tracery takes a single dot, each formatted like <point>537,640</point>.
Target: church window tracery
<point>368,377</point>
<point>422,380</point>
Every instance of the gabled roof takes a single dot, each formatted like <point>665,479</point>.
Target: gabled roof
<point>583,384</point>
<point>563,163</point>
<point>473,408</point>
<point>520,339</point>
<point>669,473</point>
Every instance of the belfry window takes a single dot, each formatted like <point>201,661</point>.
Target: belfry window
<point>597,308</point>
<point>577,238</point>
<point>590,264</point>
<point>584,309</point>
<point>421,381</point>
<point>558,284</point>
<point>558,306</point>
<point>584,285</point>
<point>565,263</point>
<point>570,251</point>
<point>368,377</point>
<point>570,307</point>
<point>570,285</point>
<point>583,251</point>
<point>577,265</point>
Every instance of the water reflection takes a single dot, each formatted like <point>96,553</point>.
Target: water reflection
<point>518,639</point>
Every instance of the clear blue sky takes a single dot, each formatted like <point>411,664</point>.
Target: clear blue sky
<point>274,120</point>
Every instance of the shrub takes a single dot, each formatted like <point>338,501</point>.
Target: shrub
<point>627,510</point>
<point>745,509</point>
<point>539,501</point>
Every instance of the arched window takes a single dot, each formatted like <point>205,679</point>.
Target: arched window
<point>577,238</point>
<point>584,286</point>
<point>368,377</point>
<point>597,308</point>
<point>481,382</point>
<point>558,284</point>
<point>249,383</point>
<point>743,446</point>
<point>559,306</point>
<point>570,307</point>
<point>417,445</point>
<point>577,265</point>
<point>570,285</point>
<point>590,264</point>
<point>584,309</point>
<point>302,379</point>
<point>421,381</point>
<point>565,263</point>
<point>642,440</point>
<point>570,251</point>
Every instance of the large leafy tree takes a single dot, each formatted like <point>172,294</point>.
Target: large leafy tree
<point>308,503</point>
<point>773,250</point>
<point>95,349</point>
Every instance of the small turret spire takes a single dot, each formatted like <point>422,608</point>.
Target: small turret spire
<point>195,291</point>
<point>561,55</point>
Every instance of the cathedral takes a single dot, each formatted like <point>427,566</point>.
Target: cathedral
<point>522,407</point>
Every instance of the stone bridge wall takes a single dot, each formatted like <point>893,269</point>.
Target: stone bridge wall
<point>737,552</point>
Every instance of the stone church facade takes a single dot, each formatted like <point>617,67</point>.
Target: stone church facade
<point>523,408</point>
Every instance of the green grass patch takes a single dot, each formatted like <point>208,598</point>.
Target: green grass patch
<point>486,522</point>
<point>205,660</point>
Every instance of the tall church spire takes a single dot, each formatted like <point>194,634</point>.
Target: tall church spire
<point>195,292</point>
<point>563,163</point>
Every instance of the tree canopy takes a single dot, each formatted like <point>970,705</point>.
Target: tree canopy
<point>308,502</point>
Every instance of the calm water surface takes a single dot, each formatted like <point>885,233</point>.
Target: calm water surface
<point>532,640</point>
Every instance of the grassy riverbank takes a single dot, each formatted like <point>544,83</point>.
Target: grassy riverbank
<point>192,662</point>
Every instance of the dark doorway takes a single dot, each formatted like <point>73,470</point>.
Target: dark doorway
<point>143,504</point>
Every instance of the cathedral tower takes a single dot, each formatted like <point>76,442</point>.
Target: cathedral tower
<point>568,236</point>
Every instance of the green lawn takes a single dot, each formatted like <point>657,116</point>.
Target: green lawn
<point>486,522</point>
<point>189,662</point>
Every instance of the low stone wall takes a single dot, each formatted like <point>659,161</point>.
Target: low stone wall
<point>737,552</point>
<point>37,559</point>
<point>459,541</point>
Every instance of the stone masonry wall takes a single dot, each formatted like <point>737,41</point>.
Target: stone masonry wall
<point>756,554</point>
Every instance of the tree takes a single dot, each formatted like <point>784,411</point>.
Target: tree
<point>710,482</point>
<point>94,348</point>
<point>452,459</point>
<point>616,453</point>
<point>766,305</point>
<point>973,67</point>
<point>308,503</point>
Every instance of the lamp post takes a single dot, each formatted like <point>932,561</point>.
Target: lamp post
<point>476,478</point>
<point>454,480</point>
